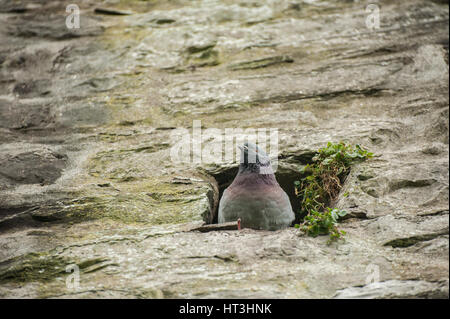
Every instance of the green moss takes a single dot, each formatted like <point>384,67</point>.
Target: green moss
<point>106,164</point>
<point>43,267</point>
<point>138,202</point>
<point>203,57</point>
<point>197,49</point>
<point>90,262</point>
<point>33,267</point>
<point>409,241</point>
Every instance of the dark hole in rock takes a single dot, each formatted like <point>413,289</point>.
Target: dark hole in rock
<point>285,176</point>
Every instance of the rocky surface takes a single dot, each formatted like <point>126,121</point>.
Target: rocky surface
<point>89,116</point>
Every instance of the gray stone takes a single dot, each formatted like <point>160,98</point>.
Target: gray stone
<point>88,119</point>
<point>396,289</point>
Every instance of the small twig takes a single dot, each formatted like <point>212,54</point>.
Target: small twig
<point>214,227</point>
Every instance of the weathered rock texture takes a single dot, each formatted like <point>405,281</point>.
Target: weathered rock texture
<point>87,115</point>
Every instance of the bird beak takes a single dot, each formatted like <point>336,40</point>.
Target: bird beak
<point>243,147</point>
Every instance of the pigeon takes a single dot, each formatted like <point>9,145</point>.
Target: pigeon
<point>255,197</point>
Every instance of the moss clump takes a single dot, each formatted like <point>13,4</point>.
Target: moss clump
<point>320,188</point>
<point>203,57</point>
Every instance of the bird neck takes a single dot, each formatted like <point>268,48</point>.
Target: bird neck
<point>250,177</point>
<point>248,168</point>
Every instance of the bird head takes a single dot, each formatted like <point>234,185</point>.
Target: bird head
<point>254,158</point>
